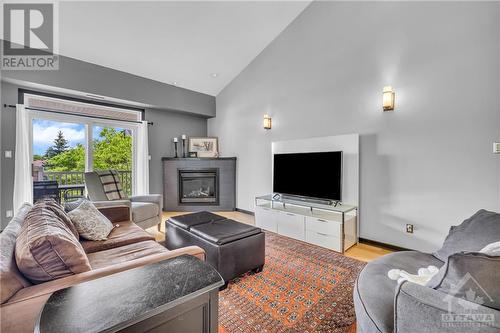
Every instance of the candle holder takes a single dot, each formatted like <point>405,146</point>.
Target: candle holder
<point>183,146</point>
<point>175,147</point>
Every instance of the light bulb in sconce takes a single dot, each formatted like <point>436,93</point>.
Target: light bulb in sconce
<point>388,97</point>
<point>267,122</point>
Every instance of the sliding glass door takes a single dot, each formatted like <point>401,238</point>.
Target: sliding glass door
<point>65,146</point>
<point>58,151</point>
<point>112,149</point>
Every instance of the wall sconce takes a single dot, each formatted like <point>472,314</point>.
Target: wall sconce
<point>388,97</point>
<point>496,147</point>
<point>267,122</point>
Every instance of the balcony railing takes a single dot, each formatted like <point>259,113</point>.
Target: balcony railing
<point>72,183</point>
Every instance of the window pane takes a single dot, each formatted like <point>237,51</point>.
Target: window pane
<point>58,156</point>
<point>112,149</point>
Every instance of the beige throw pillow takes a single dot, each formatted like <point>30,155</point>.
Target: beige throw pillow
<point>90,222</point>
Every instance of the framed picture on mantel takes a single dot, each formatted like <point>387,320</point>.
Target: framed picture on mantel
<point>204,147</point>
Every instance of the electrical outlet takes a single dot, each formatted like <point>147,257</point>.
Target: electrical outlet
<point>409,228</point>
<point>8,154</point>
<point>8,213</point>
<point>496,147</point>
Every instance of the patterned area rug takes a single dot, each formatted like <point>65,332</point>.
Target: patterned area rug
<point>303,288</point>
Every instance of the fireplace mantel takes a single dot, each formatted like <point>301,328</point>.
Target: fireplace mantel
<point>174,198</point>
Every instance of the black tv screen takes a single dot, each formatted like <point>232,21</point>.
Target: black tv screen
<point>316,175</point>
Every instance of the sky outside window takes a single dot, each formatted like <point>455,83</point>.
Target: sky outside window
<point>45,131</point>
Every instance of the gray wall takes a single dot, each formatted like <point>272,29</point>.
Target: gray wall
<point>76,77</point>
<point>89,78</point>
<point>1,153</point>
<point>8,142</point>
<point>168,125</point>
<point>430,161</point>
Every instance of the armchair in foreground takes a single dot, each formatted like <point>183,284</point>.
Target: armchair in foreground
<point>464,296</point>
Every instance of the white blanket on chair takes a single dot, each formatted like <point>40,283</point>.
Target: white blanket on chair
<point>423,275</point>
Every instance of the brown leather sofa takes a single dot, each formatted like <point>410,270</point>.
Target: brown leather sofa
<point>128,246</point>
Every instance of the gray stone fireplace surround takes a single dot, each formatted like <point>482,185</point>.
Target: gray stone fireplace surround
<point>194,184</point>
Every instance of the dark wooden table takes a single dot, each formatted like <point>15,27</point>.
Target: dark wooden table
<point>175,295</point>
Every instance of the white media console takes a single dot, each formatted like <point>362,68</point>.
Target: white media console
<point>329,226</point>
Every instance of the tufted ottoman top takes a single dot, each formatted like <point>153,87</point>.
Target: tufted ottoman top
<point>189,220</point>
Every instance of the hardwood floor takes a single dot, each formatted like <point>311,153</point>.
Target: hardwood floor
<point>366,252</point>
<point>363,252</point>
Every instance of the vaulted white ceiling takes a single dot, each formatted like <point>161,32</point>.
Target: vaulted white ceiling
<point>181,42</point>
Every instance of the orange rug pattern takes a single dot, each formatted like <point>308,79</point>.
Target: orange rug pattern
<point>303,288</point>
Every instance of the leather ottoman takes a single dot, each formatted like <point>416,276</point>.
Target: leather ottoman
<point>231,247</point>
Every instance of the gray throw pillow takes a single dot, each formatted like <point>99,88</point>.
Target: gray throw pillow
<point>90,222</point>
<point>471,276</point>
<point>472,235</point>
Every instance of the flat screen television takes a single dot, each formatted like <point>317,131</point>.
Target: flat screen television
<point>314,175</point>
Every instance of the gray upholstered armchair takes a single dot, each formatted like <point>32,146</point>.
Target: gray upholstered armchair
<point>464,296</point>
<point>146,210</point>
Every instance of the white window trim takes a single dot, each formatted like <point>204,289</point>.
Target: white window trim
<point>72,107</point>
<point>89,124</point>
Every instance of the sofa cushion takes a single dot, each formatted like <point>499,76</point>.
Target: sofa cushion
<point>144,210</point>
<point>123,233</point>
<point>11,279</point>
<point>374,291</point>
<point>46,249</point>
<point>187,221</point>
<point>472,235</point>
<point>224,231</point>
<point>124,253</point>
<point>61,214</point>
<point>90,222</point>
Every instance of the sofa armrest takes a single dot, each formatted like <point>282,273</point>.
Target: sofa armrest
<point>54,285</point>
<point>114,203</point>
<point>422,309</point>
<point>116,213</point>
<point>21,311</point>
<point>153,198</point>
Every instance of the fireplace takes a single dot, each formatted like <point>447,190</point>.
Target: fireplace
<point>184,191</point>
<point>200,186</point>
